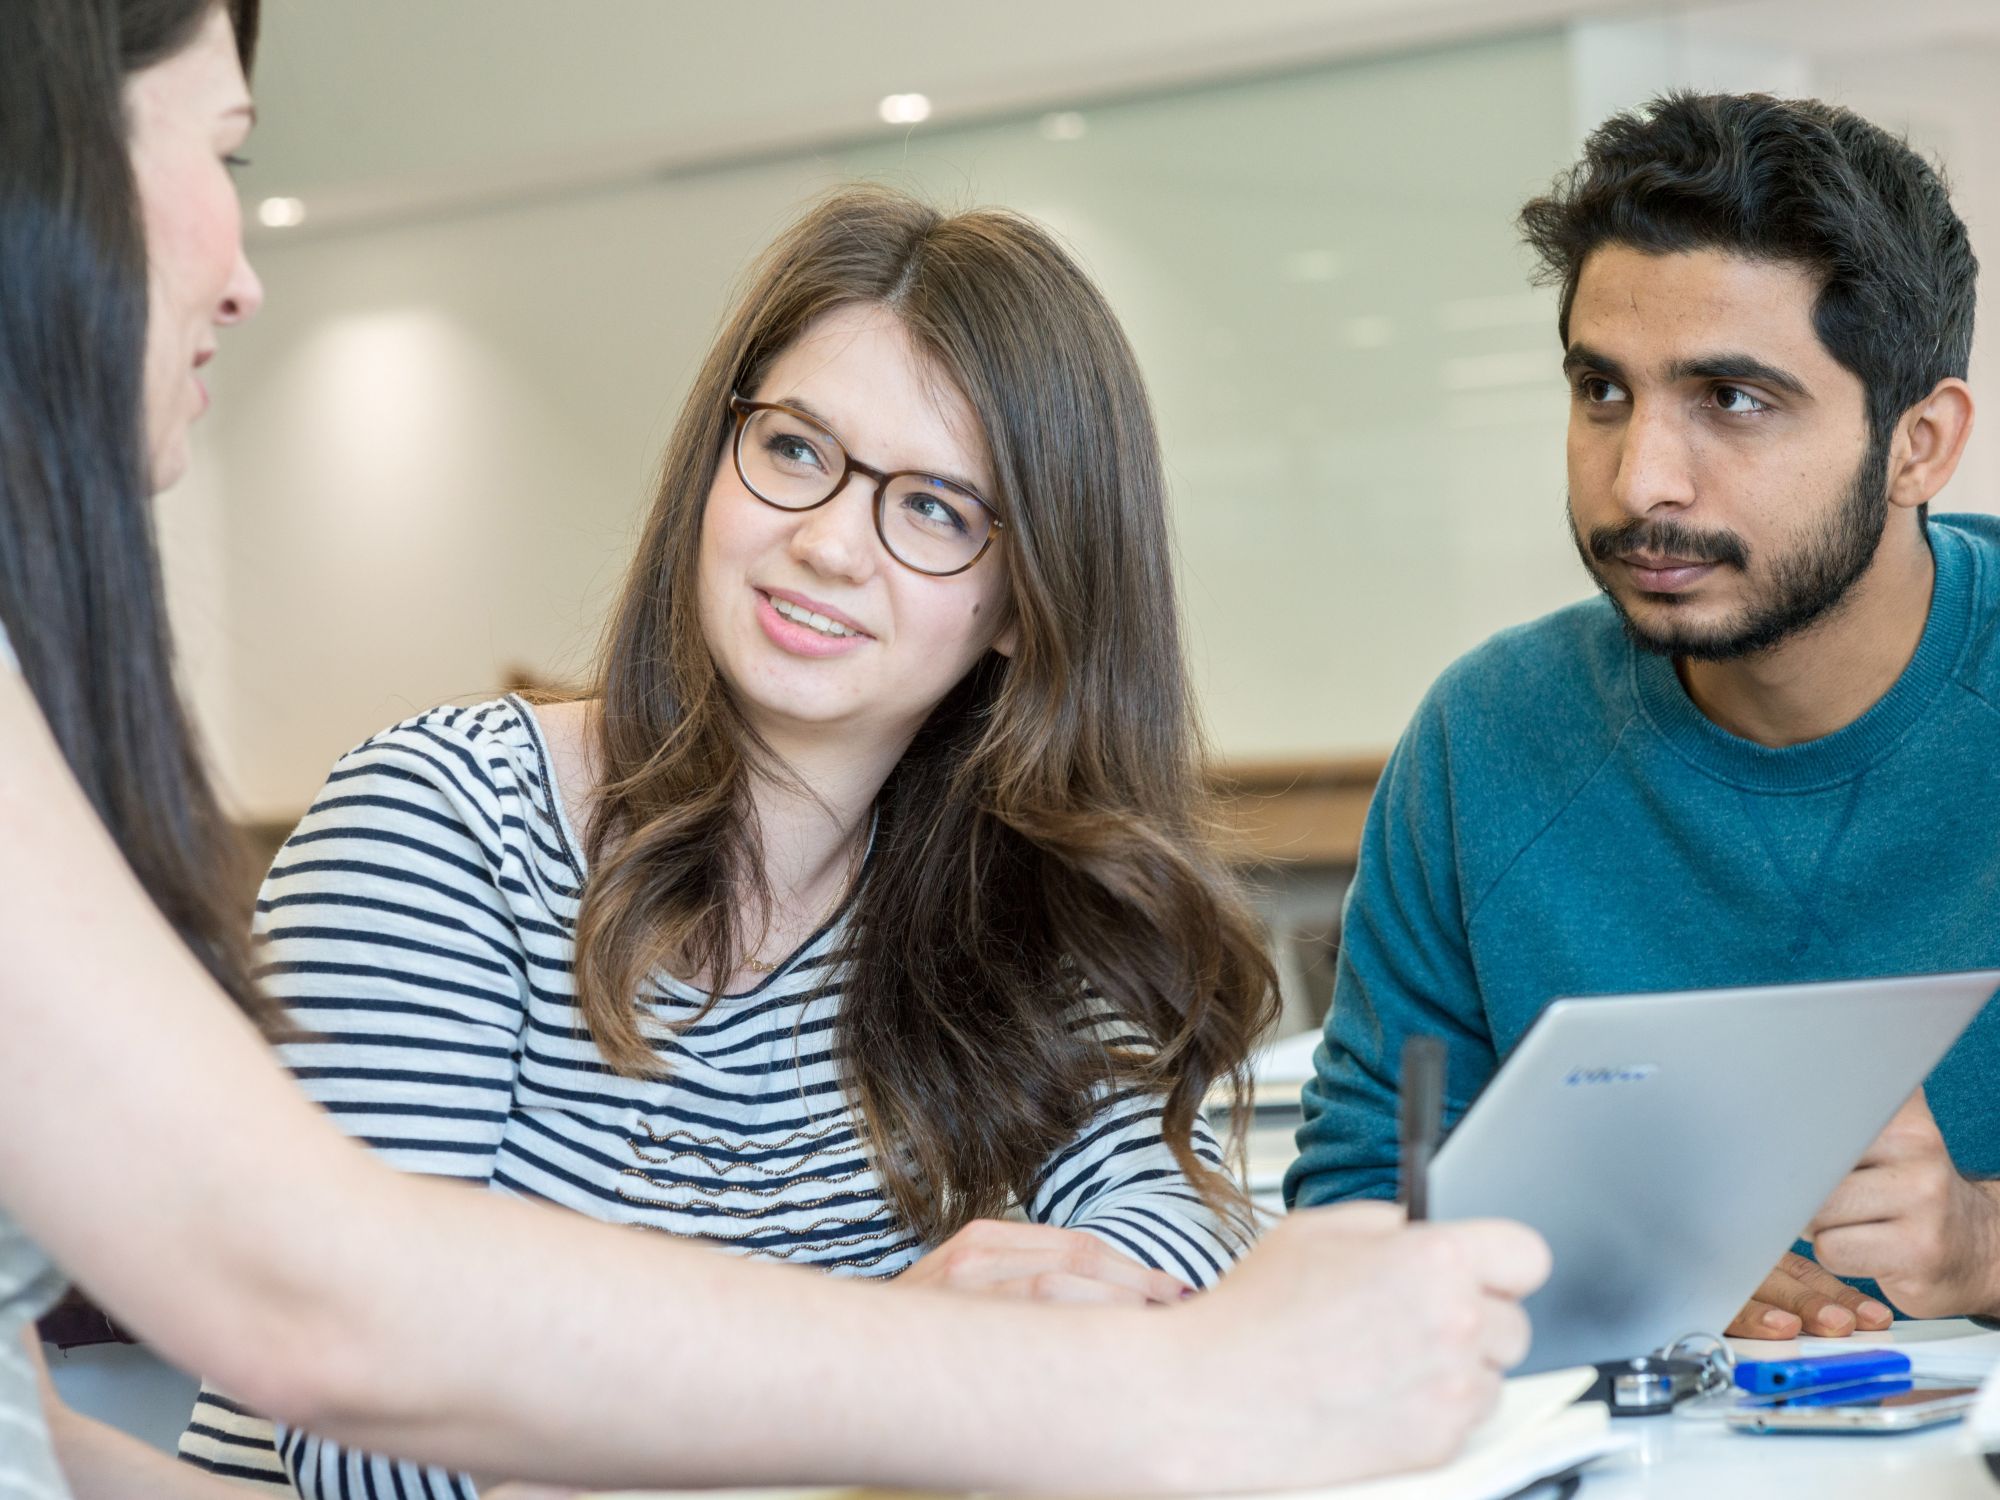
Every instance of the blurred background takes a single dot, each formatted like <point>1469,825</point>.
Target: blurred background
<point>497,236</point>
<point>517,225</point>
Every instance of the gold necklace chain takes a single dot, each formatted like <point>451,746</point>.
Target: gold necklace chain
<point>758,966</point>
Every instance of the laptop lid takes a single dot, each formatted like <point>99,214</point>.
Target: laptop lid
<point>1670,1147</point>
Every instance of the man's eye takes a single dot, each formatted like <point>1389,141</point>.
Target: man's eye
<point>1598,391</point>
<point>1734,400</point>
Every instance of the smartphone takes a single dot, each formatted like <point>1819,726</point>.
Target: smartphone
<point>1898,1411</point>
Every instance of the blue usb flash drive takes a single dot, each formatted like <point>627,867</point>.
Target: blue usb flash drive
<point>1764,1376</point>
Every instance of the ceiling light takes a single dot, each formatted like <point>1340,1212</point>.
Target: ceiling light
<point>1064,125</point>
<point>904,109</point>
<point>281,213</point>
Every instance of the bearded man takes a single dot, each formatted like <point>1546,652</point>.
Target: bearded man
<point>1770,751</point>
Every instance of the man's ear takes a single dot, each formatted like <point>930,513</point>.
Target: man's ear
<point>1928,443</point>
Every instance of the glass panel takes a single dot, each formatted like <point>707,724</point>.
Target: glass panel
<point>1359,392</point>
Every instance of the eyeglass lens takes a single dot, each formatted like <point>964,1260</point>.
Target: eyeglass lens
<point>926,522</point>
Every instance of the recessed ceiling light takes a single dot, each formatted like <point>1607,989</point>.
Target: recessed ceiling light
<point>1064,125</point>
<point>904,109</point>
<point>281,213</point>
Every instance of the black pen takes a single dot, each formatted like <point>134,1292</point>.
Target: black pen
<point>1422,1120</point>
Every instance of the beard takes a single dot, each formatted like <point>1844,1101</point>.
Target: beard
<point>1802,586</point>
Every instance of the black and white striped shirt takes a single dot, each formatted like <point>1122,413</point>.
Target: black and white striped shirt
<point>420,922</point>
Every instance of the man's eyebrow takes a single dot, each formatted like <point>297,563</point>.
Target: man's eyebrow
<point>1733,366</point>
<point>806,409</point>
<point>1579,357</point>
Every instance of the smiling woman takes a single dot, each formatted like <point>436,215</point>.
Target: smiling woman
<point>190,115</point>
<point>869,894</point>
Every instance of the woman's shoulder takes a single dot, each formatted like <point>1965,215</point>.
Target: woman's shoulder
<point>486,765</point>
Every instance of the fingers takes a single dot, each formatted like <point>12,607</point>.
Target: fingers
<point>1762,1320</point>
<point>1061,1286</point>
<point>1504,1334</point>
<point>1509,1259</point>
<point>1825,1306</point>
<point>1801,1297</point>
<point>995,1256</point>
<point>1845,1306</point>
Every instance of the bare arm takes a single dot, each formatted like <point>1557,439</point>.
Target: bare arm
<point>102,1463</point>
<point>152,1145</point>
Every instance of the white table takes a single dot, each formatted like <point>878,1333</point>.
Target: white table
<point>1689,1458</point>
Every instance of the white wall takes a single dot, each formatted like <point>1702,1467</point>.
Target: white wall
<point>429,454</point>
<point>434,444</point>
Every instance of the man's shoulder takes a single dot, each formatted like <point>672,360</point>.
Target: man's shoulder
<point>1979,538</point>
<point>1556,676</point>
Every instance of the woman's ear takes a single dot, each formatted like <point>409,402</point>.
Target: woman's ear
<point>1008,639</point>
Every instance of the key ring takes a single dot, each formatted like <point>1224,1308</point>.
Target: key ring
<point>1650,1385</point>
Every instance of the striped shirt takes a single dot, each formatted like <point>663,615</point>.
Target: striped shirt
<point>421,921</point>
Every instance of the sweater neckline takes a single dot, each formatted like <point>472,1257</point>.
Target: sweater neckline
<point>1847,752</point>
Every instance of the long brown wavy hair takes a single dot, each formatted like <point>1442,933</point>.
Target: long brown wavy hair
<point>80,588</point>
<point>1049,825</point>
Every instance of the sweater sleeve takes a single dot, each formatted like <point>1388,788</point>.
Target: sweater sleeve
<point>386,934</point>
<point>1404,970</point>
<point>1117,1179</point>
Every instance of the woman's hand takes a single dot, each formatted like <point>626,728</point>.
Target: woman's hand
<point>1379,1346</point>
<point>1039,1263</point>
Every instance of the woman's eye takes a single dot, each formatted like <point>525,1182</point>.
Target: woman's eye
<point>1735,400</point>
<point>933,512</point>
<point>234,162</point>
<point>796,453</point>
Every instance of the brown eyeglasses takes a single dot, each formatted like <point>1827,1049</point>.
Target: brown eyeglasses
<point>928,523</point>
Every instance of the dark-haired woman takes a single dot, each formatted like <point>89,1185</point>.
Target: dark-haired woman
<point>151,1146</point>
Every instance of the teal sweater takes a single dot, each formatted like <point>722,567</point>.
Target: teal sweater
<point>1560,819</point>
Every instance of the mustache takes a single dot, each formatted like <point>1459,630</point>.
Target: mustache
<point>1667,539</point>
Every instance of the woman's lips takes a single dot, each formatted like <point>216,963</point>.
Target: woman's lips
<point>802,640</point>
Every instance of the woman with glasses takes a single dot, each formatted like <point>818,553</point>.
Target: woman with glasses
<point>152,1149</point>
<point>868,893</point>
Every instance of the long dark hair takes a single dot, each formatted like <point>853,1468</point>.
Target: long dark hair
<point>1049,824</point>
<point>80,590</point>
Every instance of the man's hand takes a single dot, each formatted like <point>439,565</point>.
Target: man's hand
<point>1800,1297</point>
<point>1039,1263</point>
<point>1929,1237</point>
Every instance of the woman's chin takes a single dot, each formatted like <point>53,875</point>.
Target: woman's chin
<point>168,464</point>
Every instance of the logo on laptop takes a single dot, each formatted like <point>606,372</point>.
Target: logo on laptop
<point>1578,1078</point>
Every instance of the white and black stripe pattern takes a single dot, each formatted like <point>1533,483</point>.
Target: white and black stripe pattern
<point>29,1287</point>
<point>420,920</point>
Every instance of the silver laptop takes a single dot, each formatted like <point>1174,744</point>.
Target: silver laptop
<point>1670,1147</point>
